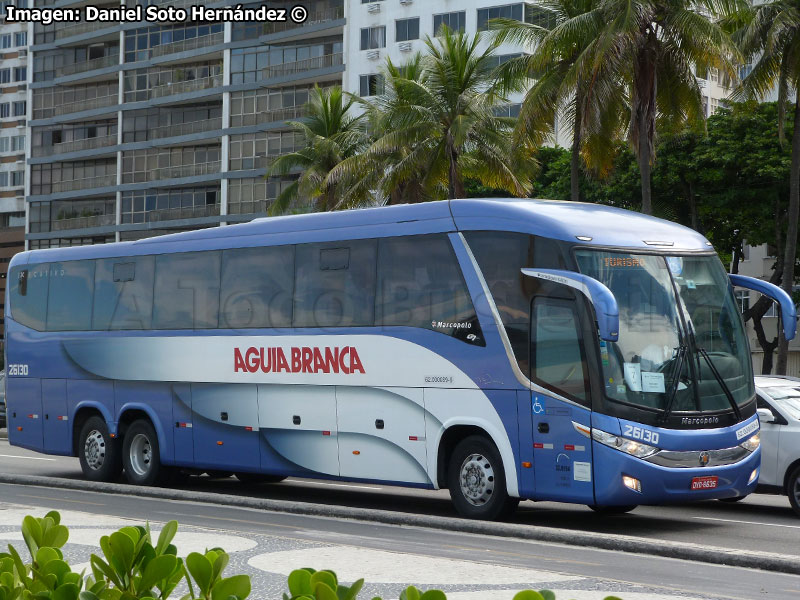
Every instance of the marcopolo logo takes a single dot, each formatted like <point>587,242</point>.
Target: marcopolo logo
<point>300,360</point>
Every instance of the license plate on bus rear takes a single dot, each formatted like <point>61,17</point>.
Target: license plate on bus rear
<point>704,483</point>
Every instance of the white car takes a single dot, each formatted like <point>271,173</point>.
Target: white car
<point>779,412</point>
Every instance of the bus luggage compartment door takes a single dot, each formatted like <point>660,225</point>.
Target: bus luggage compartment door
<point>56,427</point>
<point>24,412</point>
<point>225,426</point>
<point>382,434</point>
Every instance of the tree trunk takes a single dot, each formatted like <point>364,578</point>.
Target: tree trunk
<point>692,205</point>
<point>757,312</point>
<point>643,119</point>
<point>793,215</point>
<point>737,257</point>
<point>575,162</point>
<point>455,187</point>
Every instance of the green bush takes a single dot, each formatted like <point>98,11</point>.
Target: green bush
<point>132,568</point>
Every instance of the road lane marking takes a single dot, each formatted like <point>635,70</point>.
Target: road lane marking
<point>61,499</point>
<point>747,522</point>
<point>26,457</point>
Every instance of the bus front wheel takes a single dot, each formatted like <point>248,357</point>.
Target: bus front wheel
<point>98,452</point>
<point>477,480</point>
<point>140,454</point>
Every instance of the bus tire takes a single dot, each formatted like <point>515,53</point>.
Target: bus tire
<point>140,455</point>
<point>100,455</point>
<point>254,478</point>
<point>477,480</point>
<point>613,510</point>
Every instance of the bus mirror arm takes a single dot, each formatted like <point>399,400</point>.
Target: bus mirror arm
<point>784,300</point>
<point>603,301</point>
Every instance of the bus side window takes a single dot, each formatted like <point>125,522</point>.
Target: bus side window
<point>186,294</point>
<point>28,295</point>
<point>257,287</point>
<point>420,285</point>
<point>335,284</point>
<point>123,293</point>
<point>557,358</point>
<point>69,303</point>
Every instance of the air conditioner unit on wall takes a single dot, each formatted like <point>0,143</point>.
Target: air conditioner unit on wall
<point>374,54</point>
<point>404,46</point>
<point>375,7</point>
<point>406,2</point>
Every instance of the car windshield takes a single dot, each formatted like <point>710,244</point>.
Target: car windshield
<point>656,363</point>
<point>786,397</point>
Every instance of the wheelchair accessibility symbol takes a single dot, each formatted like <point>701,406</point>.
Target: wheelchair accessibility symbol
<point>537,407</point>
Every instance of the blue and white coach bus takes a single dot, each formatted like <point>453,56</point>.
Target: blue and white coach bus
<point>503,349</point>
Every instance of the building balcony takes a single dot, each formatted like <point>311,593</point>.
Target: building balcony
<point>83,222</point>
<point>76,146</point>
<point>269,116</point>
<point>174,172</point>
<point>171,89</point>
<point>186,45</point>
<point>76,106</point>
<point>83,184</point>
<point>65,31</point>
<point>321,16</point>
<point>300,66</point>
<point>88,65</point>
<point>191,212</point>
<point>185,128</point>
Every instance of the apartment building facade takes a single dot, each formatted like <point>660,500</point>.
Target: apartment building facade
<point>139,129</point>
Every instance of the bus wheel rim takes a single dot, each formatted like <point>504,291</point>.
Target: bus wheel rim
<point>94,450</point>
<point>140,455</point>
<point>477,479</point>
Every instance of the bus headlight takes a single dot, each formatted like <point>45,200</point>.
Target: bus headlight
<point>637,449</point>
<point>752,443</point>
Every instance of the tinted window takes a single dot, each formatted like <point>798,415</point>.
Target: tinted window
<point>557,360</point>
<point>187,291</point>
<point>420,285</point>
<point>123,293</point>
<point>69,303</point>
<point>501,255</point>
<point>257,287</point>
<point>28,295</point>
<point>335,284</point>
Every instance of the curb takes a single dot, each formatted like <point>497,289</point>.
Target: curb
<point>766,561</point>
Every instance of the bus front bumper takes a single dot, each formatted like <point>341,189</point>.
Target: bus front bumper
<point>617,475</point>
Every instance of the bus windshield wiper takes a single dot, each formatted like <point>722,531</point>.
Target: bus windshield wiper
<point>722,384</point>
<point>682,350</point>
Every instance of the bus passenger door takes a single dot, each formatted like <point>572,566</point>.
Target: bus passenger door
<point>562,454</point>
<point>225,426</point>
<point>382,434</point>
<point>56,426</point>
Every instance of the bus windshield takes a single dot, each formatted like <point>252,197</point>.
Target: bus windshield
<point>678,324</point>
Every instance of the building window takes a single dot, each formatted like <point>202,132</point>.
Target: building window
<point>4,143</point>
<point>5,75</point>
<point>249,65</point>
<point>21,38</point>
<point>509,11</point>
<point>5,110</point>
<point>20,74</point>
<point>20,108</point>
<point>154,205</point>
<point>373,37</point>
<point>371,85</point>
<point>17,178</point>
<point>3,179</point>
<point>17,143</point>
<point>407,29</point>
<point>249,196</point>
<point>456,21</point>
<point>5,41</point>
<point>253,107</point>
<point>140,43</point>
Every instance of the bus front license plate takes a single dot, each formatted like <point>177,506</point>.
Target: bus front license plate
<point>705,483</point>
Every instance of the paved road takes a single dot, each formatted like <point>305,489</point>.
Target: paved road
<point>759,523</point>
<point>466,566</point>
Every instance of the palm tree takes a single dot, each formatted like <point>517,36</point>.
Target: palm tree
<point>331,132</point>
<point>771,32</point>
<point>657,44</point>
<point>438,123</point>
<point>554,75</point>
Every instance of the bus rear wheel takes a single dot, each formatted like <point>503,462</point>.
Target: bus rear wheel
<point>140,455</point>
<point>98,452</point>
<point>477,480</point>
